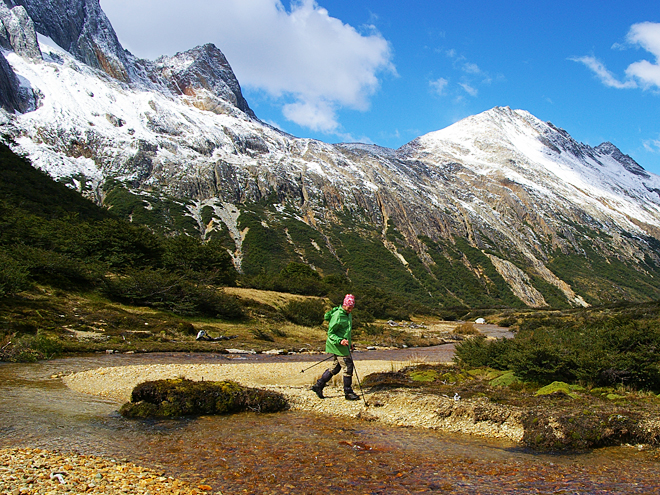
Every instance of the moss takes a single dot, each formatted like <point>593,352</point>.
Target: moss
<point>181,397</point>
<point>614,396</point>
<point>505,379</point>
<point>559,388</point>
<point>424,376</point>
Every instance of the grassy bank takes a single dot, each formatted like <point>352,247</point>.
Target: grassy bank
<point>46,322</point>
<point>555,417</point>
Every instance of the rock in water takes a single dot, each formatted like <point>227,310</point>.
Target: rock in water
<point>182,397</point>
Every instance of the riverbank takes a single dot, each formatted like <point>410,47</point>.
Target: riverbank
<point>553,421</point>
<point>402,408</point>
<point>42,472</point>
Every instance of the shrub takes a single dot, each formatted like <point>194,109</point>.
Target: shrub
<point>479,352</point>
<point>261,334</point>
<point>372,330</point>
<point>176,293</point>
<point>14,276</point>
<point>383,305</point>
<point>183,253</point>
<point>59,270</point>
<point>466,328</point>
<point>508,321</point>
<point>597,351</point>
<point>31,348</point>
<point>308,313</point>
<point>298,278</point>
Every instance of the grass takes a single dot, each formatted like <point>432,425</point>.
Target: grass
<point>84,322</point>
<point>269,298</point>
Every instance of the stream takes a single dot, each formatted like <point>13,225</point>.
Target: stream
<point>295,452</point>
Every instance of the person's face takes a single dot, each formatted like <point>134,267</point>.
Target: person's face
<point>348,309</point>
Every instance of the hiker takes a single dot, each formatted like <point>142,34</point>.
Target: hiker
<point>339,343</point>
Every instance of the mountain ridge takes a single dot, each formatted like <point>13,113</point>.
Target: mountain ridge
<point>174,143</point>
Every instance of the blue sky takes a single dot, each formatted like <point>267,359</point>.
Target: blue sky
<point>385,72</point>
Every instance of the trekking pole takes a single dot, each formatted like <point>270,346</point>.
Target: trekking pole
<point>356,376</point>
<point>316,364</point>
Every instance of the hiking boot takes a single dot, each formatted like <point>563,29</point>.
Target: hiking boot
<point>318,390</point>
<point>351,396</point>
<point>348,389</point>
<point>320,384</point>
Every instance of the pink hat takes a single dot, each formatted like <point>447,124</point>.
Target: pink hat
<point>349,300</point>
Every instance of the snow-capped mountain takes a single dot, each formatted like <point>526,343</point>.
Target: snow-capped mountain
<point>526,197</point>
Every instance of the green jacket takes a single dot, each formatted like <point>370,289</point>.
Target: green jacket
<point>339,328</point>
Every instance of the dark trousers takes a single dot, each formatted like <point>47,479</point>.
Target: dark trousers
<point>342,363</point>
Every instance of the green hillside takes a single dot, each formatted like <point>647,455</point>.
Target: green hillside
<point>51,234</point>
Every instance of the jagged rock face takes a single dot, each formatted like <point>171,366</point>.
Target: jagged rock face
<point>81,28</point>
<point>522,192</point>
<point>9,85</point>
<point>203,74</point>
<point>17,32</point>
<point>628,163</point>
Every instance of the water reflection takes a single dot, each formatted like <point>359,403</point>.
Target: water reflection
<point>294,452</point>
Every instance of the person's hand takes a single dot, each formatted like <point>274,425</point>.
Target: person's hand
<point>344,342</point>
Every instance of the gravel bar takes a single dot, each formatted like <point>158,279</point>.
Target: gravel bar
<point>37,472</point>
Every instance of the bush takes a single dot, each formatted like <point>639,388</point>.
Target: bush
<point>508,321</point>
<point>308,313</point>
<point>188,254</point>
<point>479,352</point>
<point>261,334</point>
<point>466,328</point>
<point>14,276</point>
<point>176,293</point>
<point>371,329</point>
<point>298,278</point>
<point>602,352</point>
<point>59,270</point>
<point>382,305</point>
<point>30,348</point>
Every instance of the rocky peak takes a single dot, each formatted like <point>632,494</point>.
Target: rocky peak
<point>81,28</point>
<point>204,74</point>
<point>628,163</point>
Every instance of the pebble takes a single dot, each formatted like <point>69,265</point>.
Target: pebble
<point>41,472</point>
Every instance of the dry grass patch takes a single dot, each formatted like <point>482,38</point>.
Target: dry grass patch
<point>270,298</point>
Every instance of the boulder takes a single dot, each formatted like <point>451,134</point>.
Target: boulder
<point>181,397</point>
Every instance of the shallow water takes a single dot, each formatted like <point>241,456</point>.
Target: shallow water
<point>296,453</point>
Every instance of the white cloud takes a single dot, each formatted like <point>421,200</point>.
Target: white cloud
<point>310,62</point>
<point>439,85</point>
<point>643,73</point>
<point>652,145</point>
<point>472,91</point>
<point>471,68</point>
<point>605,76</point>
<point>646,35</point>
<point>317,115</point>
